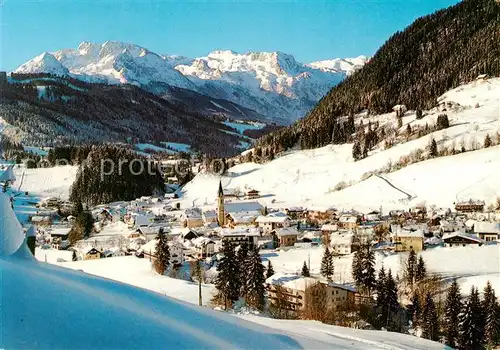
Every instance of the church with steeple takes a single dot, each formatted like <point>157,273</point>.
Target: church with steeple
<point>221,214</point>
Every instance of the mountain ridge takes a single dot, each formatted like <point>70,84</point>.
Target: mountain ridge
<point>273,84</point>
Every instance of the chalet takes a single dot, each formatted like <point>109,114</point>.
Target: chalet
<point>293,288</point>
<point>451,226</point>
<point>348,221</point>
<point>373,216</point>
<point>91,254</point>
<point>252,194</point>
<point>209,216</point>
<point>41,220</point>
<point>326,231</point>
<point>322,215</point>
<point>295,212</point>
<point>405,241</point>
<point>487,231</point>
<point>241,213</point>
<point>460,239</point>
<point>469,206</point>
<point>188,234</point>
<point>286,236</point>
<point>192,218</point>
<point>203,247</point>
<point>239,236</point>
<point>273,221</point>
<point>176,253</point>
<point>113,252</point>
<point>343,244</point>
<point>59,237</point>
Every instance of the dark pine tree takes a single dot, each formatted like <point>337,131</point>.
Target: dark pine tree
<point>368,267</point>
<point>305,270</point>
<point>411,266</point>
<point>162,253</point>
<point>430,324</point>
<point>392,305</point>
<point>255,280</point>
<point>433,148</point>
<point>327,268</point>
<point>471,325</point>
<point>356,151</point>
<point>452,308</point>
<point>242,258</point>
<point>492,316</point>
<point>487,141</point>
<point>416,310</point>
<point>227,282</point>
<point>270,270</point>
<point>420,271</point>
<point>357,268</point>
<point>380,288</point>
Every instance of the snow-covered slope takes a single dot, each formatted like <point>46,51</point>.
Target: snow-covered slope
<point>46,306</point>
<point>309,177</point>
<point>347,65</point>
<point>273,84</point>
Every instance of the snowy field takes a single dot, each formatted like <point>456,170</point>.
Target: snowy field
<point>308,177</point>
<point>46,182</point>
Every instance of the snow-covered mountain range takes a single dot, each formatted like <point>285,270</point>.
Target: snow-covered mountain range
<point>273,84</point>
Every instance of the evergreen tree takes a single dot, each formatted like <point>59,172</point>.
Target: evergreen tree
<point>327,268</point>
<point>492,316</point>
<point>417,310</point>
<point>83,226</point>
<point>433,149</point>
<point>487,141</point>
<point>305,270</point>
<point>162,253</point>
<point>74,257</point>
<point>419,113</point>
<point>471,326</point>
<point>357,268</point>
<point>197,271</point>
<point>452,308</point>
<point>356,151</point>
<point>420,271</point>
<point>391,300</point>
<point>430,324</point>
<point>242,259</point>
<point>408,130</point>
<point>368,267</point>
<point>442,122</point>
<point>380,287</point>
<point>270,270</point>
<point>411,266</point>
<point>255,289</point>
<point>227,282</point>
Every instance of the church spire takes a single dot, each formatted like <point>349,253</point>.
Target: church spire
<point>221,192</point>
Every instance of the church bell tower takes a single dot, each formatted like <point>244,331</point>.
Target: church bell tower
<point>221,217</point>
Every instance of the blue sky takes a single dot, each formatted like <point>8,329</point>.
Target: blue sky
<point>310,30</point>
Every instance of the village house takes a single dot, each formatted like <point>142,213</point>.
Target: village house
<point>252,194</point>
<point>294,289</point>
<point>59,237</point>
<point>321,215</point>
<point>241,213</point>
<point>405,241</point>
<point>487,231</point>
<point>451,226</point>
<point>192,218</point>
<point>343,244</point>
<point>295,212</point>
<point>39,220</point>
<point>239,236</point>
<point>469,206</point>
<point>272,221</point>
<point>326,230</point>
<point>348,221</point>
<point>91,254</point>
<point>203,247</point>
<point>286,236</point>
<point>461,239</point>
<point>373,216</point>
<point>176,253</point>
<point>209,217</point>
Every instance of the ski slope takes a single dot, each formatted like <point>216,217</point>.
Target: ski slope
<point>309,177</point>
<point>49,307</point>
<point>46,182</point>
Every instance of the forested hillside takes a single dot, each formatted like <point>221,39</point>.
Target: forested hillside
<point>436,53</point>
<point>52,111</point>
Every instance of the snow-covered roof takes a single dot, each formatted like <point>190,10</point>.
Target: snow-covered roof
<point>329,227</point>
<point>344,239</point>
<point>60,231</point>
<point>201,241</point>
<point>277,217</point>
<point>240,231</point>
<point>295,282</point>
<point>192,213</point>
<point>348,219</point>
<point>396,230</point>
<point>287,231</point>
<point>235,207</point>
<point>487,227</point>
<point>463,235</point>
<point>209,214</point>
